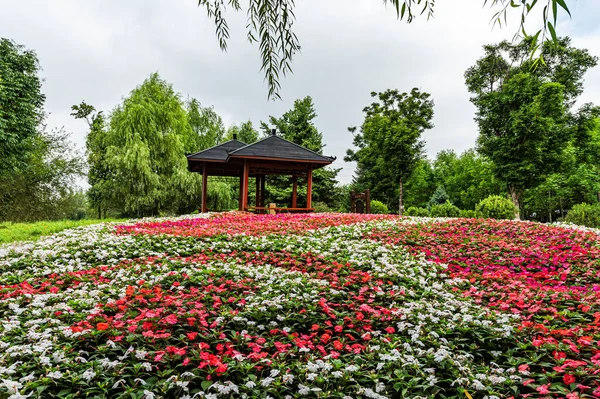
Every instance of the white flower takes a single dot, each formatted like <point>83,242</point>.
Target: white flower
<point>88,375</point>
<point>17,395</point>
<point>287,378</point>
<point>148,395</point>
<point>265,382</point>
<point>250,384</point>
<point>12,386</point>
<point>55,375</point>
<point>303,389</point>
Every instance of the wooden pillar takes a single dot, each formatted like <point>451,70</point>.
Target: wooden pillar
<point>245,186</point>
<point>294,191</point>
<point>257,197</point>
<point>262,190</point>
<point>309,187</point>
<point>368,200</point>
<point>241,191</point>
<point>204,188</point>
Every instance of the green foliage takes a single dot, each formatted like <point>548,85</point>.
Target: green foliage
<point>270,25</point>
<point>21,103</point>
<point>584,215</point>
<point>207,128</point>
<point>297,125</point>
<point>378,207</point>
<point>446,210</point>
<point>321,207</point>
<point>389,143</point>
<point>496,207</point>
<point>523,112</point>
<point>420,185</point>
<point>469,214</point>
<point>245,133</point>
<point>417,211</point>
<point>145,150</point>
<point>438,197</point>
<point>220,196</point>
<point>13,232</point>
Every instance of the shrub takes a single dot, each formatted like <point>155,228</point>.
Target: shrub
<point>379,207</point>
<point>321,207</point>
<point>469,214</point>
<point>447,210</point>
<point>439,197</point>
<point>496,207</point>
<point>416,211</point>
<point>584,215</point>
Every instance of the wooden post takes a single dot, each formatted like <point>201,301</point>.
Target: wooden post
<point>245,186</point>
<point>241,191</point>
<point>309,188</point>
<point>257,196</point>
<point>262,190</point>
<point>294,191</point>
<point>204,188</point>
<point>368,200</point>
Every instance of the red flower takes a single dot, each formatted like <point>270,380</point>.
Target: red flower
<point>102,326</point>
<point>192,335</point>
<point>568,379</point>
<point>543,389</point>
<point>221,368</point>
<point>338,345</point>
<point>390,330</point>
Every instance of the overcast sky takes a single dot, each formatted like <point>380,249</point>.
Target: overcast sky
<point>99,50</point>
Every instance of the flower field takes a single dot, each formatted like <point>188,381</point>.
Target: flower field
<point>288,306</point>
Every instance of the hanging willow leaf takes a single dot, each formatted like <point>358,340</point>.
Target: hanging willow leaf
<point>270,24</point>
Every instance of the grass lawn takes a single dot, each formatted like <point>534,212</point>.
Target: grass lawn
<point>11,232</point>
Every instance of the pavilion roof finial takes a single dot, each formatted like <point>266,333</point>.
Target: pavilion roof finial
<point>273,132</point>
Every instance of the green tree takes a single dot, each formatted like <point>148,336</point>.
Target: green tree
<point>207,127</point>
<point>99,173</point>
<point>420,185</point>
<point>270,24</point>
<point>467,178</point>
<point>523,112</point>
<point>38,168</point>
<point>21,106</point>
<point>390,144</point>
<point>297,125</point>
<point>145,150</point>
<point>245,133</point>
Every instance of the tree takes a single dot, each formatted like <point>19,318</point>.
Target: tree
<point>297,126</point>
<point>467,178</point>
<point>38,168</point>
<point>270,24</point>
<point>21,110</point>
<point>390,144</point>
<point>145,150</point>
<point>245,133</point>
<point>207,127</point>
<point>420,185</point>
<point>523,112</point>
<point>99,173</point>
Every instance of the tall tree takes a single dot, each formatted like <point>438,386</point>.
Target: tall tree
<point>207,127</point>
<point>297,125</point>
<point>145,149</point>
<point>38,168</point>
<point>270,23</point>
<point>523,112</point>
<point>99,173</point>
<point>390,143</point>
<point>21,106</point>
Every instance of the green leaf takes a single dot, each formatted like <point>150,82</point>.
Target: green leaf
<point>552,32</point>
<point>205,384</point>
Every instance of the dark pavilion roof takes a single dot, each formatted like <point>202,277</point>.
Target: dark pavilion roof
<point>274,147</point>
<point>270,148</point>
<point>217,153</point>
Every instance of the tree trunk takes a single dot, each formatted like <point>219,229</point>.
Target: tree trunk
<point>400,199</point>
<point>514,196</point>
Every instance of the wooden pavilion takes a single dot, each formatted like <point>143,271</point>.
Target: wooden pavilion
<point>272,155</point>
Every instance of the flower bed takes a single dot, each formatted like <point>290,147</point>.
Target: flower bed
<point>344,306</point>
